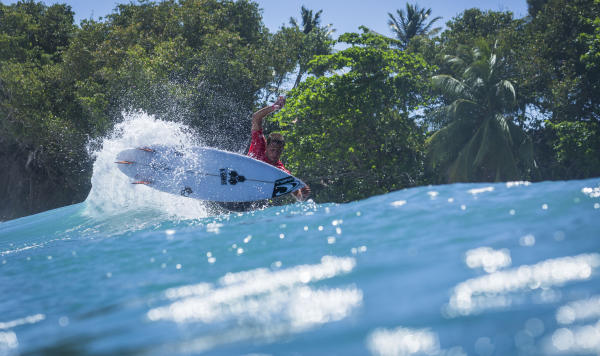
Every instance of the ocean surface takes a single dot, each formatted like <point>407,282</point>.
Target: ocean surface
<point>464,269</point>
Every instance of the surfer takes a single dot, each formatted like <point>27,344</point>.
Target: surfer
<point>270,150</point>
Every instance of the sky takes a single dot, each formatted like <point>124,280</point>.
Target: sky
<point>344,15</point>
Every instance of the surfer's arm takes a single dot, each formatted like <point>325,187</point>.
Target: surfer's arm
<point>257,117</point>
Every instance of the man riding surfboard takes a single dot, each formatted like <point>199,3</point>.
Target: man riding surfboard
<point>270,150</point>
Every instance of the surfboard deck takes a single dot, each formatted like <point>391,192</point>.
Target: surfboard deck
<point>205,173</point>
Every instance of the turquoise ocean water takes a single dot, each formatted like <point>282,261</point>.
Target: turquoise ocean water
<point>463,269</point>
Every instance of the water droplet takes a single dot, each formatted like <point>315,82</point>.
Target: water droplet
<point>331,240</point>
<point>559,235</point>
<point>544,206</point>
<point>240,251</point>
<point>527,240</point>
<point>212,260</point>
<point>281,236</point>
<point>63,321</point>
<point>562,339</point>
<point>512,212</point>
<point>178,266</point>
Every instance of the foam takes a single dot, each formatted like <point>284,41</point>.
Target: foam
<point>112,192</point>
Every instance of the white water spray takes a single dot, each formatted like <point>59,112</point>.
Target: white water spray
<point>112,192</point>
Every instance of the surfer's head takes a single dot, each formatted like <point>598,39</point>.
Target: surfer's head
<point>275,144</point>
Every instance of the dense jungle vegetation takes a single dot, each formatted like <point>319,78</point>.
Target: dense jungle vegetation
<point>491,98</point>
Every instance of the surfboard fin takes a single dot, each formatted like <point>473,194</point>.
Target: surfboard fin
<point>125,162</point>
<point>144,182</point>
<point>146,149</point>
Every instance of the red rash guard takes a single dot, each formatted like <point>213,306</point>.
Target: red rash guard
<point>258,150</point>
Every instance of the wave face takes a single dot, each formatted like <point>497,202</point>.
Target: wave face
<point>463,269</point>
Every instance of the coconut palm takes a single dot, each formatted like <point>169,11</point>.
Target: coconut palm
<point>413,23</point>
<point>478,140</point>
<point>316,39</point>
<point>308,20</point>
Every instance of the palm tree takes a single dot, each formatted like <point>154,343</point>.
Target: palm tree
<point>478,141</point>
<point>316,39</point>
<point>308,20</point>
<point>413,23</point>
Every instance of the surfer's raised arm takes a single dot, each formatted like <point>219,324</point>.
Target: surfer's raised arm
<point>257,117</point>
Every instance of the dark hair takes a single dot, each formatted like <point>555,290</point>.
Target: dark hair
<point>277,137</point>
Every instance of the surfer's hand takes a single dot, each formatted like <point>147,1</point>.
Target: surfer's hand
<point>303,193</point>
<point>279,103</point>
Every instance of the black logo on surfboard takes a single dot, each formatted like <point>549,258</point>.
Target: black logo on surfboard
<point>284,185</point>
<point>231,177</point>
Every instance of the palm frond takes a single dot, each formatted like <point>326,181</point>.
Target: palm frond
<point>505,89</point>
<point>450,86</point>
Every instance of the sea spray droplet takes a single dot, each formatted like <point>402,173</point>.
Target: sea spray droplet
<point>527,240</point>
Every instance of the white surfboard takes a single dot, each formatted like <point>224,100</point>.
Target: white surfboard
<point>205,173</point>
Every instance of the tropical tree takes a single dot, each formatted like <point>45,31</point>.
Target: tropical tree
<point>478,140</point>
<point>348,133</point>
<point>412,23</point>
<point>314,39</point>
<point>309,21</point>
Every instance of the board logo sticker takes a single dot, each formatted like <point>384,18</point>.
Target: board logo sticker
<point>284,185</point>
<point>232,177</point>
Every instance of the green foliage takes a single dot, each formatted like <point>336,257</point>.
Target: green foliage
<point>562,41</point>
<point>571,150</point>
<point>348,133</point>
<point>477,141</point>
